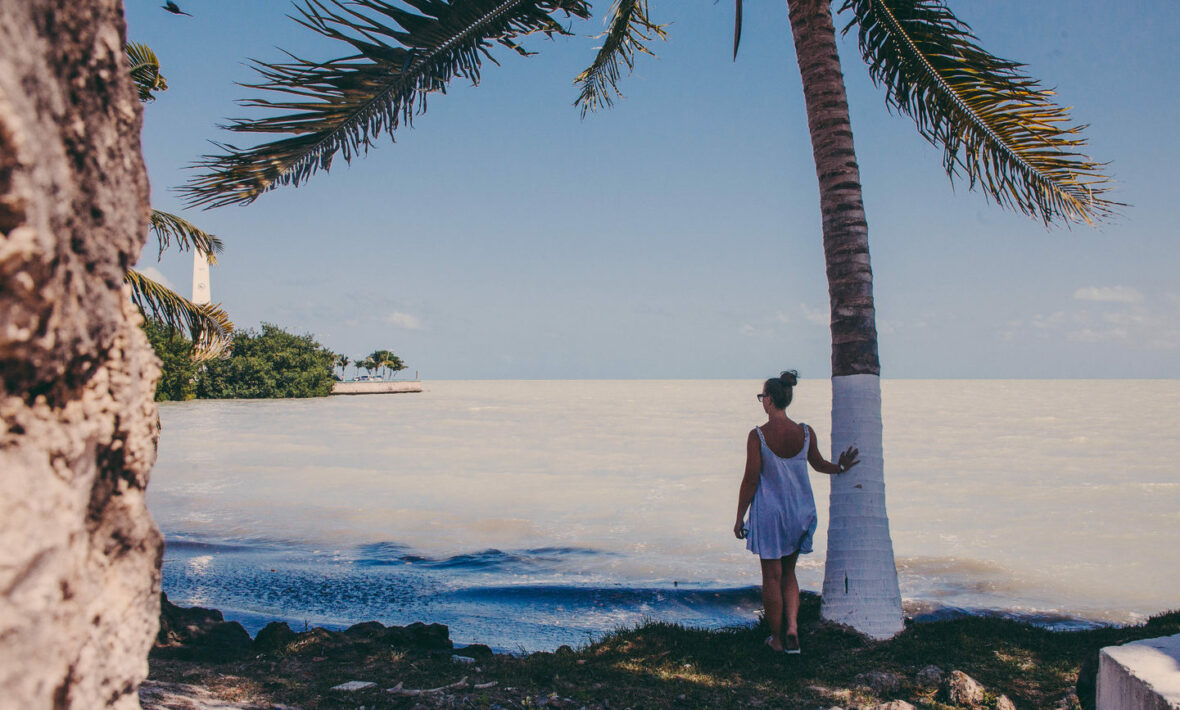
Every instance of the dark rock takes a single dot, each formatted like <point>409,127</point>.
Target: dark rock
<point>477,651</point>
<point>429,636</point>
<point>181,625</point>
<point>880,681</point>
<point>275,636</point>
<point>227,641</point>
<point>962,689</point>
<point>316,635</point>
<point>319,642</point>
<point>398,637</point>
<point>930,676</point>
<point>198,634</point>
<point>564,651</point>
<point>367,629</point>
<point>224,642</point>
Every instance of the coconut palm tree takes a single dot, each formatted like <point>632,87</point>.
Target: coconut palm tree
<point>386,359</point>
<point>342,362</point>
<point>393,363</point>
<point>996,126</point>
<point>396,58</point>
<point>208,325</point>
<point>365,364</point>
<point>374,367</point>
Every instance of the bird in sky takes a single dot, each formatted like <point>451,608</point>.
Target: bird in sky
<point>174,8</point>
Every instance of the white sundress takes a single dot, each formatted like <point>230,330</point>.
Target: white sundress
<point>782,515</point>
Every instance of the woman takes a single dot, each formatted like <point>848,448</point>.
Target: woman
<point>777,493</point>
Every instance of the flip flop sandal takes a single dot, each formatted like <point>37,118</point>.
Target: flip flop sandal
<point>792,645</point>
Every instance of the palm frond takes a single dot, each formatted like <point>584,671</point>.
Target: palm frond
<point>342,105</point>
<point>168,227</point>
<point>630,31</point>
<point>207,324</point>
<point>145,70</point>
<point>737,27</point>
<point>993,122</point>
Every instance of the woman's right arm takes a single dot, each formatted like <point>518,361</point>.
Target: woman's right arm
<point>749,482</point>
<point>847,459</point>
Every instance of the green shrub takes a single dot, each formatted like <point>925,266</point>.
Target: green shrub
<point>178,376</point>
<point>270,363</point>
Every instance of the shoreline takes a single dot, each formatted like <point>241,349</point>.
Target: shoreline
<point>916,612</point>
<point>655,665</point>
<point>541,617</point>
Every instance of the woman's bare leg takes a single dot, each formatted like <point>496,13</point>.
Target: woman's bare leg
<point>790,588</point>
<point>773,595</point>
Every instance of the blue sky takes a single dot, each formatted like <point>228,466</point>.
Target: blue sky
<point>677,234</point>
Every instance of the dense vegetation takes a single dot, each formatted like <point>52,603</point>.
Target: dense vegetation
<point>271,363</point>
<point>265,363</point>
<point>178,369</point>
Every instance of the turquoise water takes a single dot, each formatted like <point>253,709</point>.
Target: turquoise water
<point>534,513</point>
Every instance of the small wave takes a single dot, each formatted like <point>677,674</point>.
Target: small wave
<point>382,551</point>
<point>953,577</point>
<point>188,545</point>
<point>923,611</point>
<point>949,565</point>
<point>578,596</point>
<point>386,554</point>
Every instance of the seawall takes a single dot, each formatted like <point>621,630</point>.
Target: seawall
<point>377,387</point>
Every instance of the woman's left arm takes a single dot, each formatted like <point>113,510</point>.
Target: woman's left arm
<point>847,459</point>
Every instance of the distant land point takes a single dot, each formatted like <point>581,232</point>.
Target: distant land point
<point>377,387</point>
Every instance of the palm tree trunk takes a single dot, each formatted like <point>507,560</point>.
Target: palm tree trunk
<point>860,579</point>
<point>80,555</point>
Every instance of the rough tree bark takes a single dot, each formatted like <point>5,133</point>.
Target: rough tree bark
<point>860,579</point>
<point>79,553</point>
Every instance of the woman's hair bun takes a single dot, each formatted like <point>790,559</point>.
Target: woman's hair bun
<point>789,377</point>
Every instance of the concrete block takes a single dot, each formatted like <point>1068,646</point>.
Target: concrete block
<point>1141,675</point>
<point>376,387</point>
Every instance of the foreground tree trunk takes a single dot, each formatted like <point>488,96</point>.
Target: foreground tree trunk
<point>860,579</point>
<point>79,554</point>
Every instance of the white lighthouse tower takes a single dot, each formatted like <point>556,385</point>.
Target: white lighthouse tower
<point>201,290</point>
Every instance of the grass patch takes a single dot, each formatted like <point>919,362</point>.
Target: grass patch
<point>661,665</point>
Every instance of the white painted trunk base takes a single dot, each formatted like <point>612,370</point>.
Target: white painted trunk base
<point>860,579</point>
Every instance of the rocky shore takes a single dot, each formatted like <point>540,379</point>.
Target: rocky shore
<point>202,662</point>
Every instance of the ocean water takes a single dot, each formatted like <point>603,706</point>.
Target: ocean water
<point>529,514</point>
